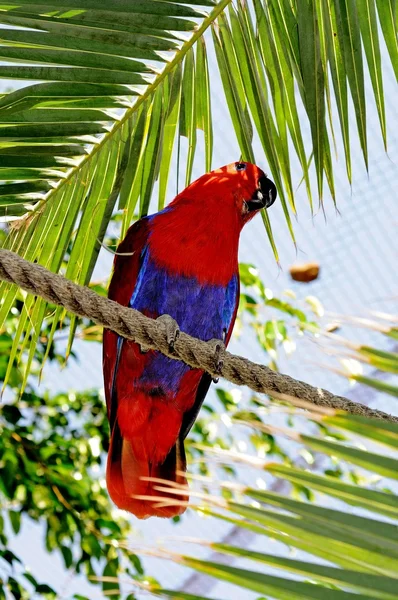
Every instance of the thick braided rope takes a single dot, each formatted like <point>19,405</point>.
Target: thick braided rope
<point>150,333</point>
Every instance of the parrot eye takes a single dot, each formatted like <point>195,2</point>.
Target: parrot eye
<point>240,166</point>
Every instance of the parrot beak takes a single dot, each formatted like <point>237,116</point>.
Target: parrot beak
<point>264,196</point>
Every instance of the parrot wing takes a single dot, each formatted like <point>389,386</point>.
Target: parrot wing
<point>127,266</point>
<point>229,315</point>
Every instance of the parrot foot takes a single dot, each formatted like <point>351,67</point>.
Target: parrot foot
<point>219,347</point>
<point>172,329</point>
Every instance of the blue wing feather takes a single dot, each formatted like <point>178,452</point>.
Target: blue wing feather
<point>202,311</point>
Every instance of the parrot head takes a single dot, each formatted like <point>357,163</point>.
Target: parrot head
<point>240,187</point>
<point>201,227</point>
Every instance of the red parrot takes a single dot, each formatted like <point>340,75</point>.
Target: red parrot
<point>181,262</point>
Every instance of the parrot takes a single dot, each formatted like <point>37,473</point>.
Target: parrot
<point>179,266</point>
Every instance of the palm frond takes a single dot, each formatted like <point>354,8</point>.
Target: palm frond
<point>348,555</point>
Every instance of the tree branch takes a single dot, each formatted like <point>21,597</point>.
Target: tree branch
<point>133,325</point>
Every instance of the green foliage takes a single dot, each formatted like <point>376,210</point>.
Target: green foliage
<point>357,551</point>
<point>273,335</point>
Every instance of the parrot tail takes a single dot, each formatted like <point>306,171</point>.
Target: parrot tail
<point>126,476</point>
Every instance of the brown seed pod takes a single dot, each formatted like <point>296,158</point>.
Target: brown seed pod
<point>304,272</point>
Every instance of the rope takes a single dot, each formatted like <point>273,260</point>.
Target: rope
<point>150,333</point>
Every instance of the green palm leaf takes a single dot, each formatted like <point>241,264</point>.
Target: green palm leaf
<point>361,551</point>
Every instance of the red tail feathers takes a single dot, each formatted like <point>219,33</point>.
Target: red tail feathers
<point>128,485</point>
